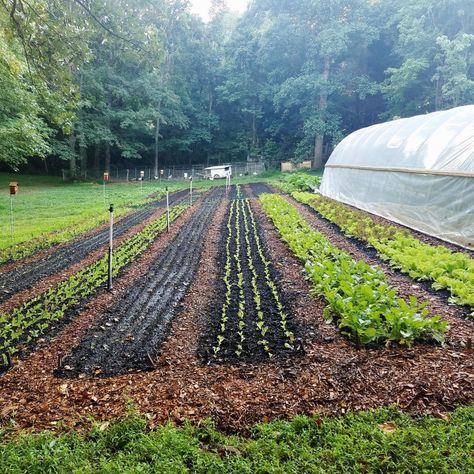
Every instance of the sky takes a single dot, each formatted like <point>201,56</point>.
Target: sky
<point>201,7</point>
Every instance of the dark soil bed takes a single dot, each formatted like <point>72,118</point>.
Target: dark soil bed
<point>128,336</point>
<point>252,348</point>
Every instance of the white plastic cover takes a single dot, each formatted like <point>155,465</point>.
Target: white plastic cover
<point>417,171</point>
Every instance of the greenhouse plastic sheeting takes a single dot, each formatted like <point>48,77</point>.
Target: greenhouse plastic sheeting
<point>418,172</point>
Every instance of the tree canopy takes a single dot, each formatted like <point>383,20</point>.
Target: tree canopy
<point>91,83</point>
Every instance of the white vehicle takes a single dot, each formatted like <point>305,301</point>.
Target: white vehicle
<point>216,172</point>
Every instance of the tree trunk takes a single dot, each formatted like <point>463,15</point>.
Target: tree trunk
<point>97,159</point>
<point>107,158</point>
<point>72,162</point>
<point>157,138</point>
<point>254,130</point>
<point>83,157</point>
<point>323,104</point>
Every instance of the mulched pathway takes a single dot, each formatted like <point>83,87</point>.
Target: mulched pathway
<point>332,376</point>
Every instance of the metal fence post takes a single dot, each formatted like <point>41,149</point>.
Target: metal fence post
<point>111,235</point>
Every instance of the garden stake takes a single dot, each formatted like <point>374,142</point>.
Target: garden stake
<point>167,210</point>
<point>13,190</point>
<point>11,215</point>
<point>111,233</point>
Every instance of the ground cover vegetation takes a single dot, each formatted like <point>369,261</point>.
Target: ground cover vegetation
<point>99,84</point>
<point>249,320</point>
<point>25,324</point>
<point>359,296</point>
<point>380,441</point>
<point>301,181</point>
<point>447,269</point>
<point>45,214</point>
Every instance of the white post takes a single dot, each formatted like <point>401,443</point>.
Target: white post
<point>11,215</point>
<point>111,236</point>
<point>167,210</point>
<point>191,191</point>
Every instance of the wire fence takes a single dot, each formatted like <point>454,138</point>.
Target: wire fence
<point>167,173</point>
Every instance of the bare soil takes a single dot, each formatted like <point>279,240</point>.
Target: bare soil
<point>128,336</point>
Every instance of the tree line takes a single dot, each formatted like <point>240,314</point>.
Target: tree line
<point>94,83</point>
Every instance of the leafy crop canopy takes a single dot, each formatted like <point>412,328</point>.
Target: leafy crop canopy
<point>417,171</point>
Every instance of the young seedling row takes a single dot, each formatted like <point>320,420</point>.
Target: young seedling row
<point>248,320</point>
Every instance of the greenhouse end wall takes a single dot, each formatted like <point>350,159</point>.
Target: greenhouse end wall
<point>441,206</point>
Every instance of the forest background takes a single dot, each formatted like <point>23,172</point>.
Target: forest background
<point>90,84</point>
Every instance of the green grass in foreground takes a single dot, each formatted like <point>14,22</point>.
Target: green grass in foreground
<point>48,211</point>
<point>381,441</point>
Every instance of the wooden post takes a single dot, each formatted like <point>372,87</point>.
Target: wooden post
<point>167,210</point>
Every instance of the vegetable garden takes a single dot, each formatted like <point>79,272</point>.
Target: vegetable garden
<point>256,305</point>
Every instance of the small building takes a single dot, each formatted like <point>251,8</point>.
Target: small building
<point>216,172</point>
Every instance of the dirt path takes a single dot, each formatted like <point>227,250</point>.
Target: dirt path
<point>26,274</point>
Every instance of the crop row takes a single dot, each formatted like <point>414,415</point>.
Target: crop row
<point>358,295</point>
<point>449,270</point>
<point>246,274</point>
<point>26,323</point>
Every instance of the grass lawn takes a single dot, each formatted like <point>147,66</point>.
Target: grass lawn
<point>381,441</point>
<point>47,211</point>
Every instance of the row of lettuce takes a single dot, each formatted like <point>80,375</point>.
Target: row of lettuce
<point>359,297</point>
<point>25,324</point>
<point>452,271</point>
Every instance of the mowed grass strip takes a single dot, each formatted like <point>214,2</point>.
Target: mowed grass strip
<point>380,441</point>
<point>47,211</point>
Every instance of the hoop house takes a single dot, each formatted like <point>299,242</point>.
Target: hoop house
<point>417,171</point>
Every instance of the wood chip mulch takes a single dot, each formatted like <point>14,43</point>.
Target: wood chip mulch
<point>332,377</point>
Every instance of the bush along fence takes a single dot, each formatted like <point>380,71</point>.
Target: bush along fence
<point>359,297</point>
<point>24,325</point>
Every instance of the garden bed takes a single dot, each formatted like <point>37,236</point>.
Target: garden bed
<point>331,376</point>
<point>128,336</point>
<point>25,274</point>
<point>248,318</point>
